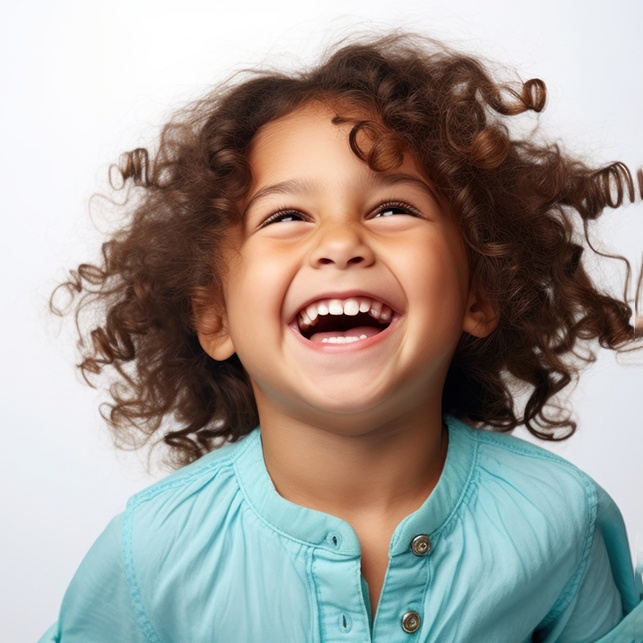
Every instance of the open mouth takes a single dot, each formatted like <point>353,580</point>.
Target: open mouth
<point>342,321</point>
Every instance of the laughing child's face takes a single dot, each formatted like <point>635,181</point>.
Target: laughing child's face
<point>347,289</point>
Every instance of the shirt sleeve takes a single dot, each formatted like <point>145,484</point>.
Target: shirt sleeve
<point>606,592</point>
<point>97,606</point>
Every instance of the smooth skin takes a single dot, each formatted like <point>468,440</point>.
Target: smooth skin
<point>354,430</point>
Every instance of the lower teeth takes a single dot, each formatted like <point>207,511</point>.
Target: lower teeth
<point>342,340</point>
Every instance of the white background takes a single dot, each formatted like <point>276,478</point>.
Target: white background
<point>83,81</point>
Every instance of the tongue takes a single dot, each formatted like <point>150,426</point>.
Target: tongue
<point>357,332</point>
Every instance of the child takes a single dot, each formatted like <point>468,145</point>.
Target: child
<point>360,259</point>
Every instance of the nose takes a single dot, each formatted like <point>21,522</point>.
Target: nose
<point>341,246</point>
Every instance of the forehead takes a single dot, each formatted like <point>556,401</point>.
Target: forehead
<point>307,141</point>
<point>283,141</point>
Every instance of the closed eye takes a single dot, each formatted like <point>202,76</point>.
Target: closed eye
<point>283,216</point>
<point>394,208</point>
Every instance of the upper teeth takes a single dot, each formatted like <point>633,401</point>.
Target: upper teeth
<point>307,316</point>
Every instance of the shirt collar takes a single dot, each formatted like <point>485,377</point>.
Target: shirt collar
<point>323,530</point>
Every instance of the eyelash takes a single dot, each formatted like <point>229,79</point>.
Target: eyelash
<point>280,215</point>
<point>400,205</point>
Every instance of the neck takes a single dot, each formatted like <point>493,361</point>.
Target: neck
<point>383,473</point>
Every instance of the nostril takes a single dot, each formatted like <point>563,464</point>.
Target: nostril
<point>341,251</point>
<point>325,261</point>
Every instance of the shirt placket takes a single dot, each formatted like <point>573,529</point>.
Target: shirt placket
<point>400,614</point>
<point>343,617</point>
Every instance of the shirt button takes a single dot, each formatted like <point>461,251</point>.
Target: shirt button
<point>411,622</point>
<point>421,545</point>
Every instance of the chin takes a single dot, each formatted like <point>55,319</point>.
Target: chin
<point>346,416</point>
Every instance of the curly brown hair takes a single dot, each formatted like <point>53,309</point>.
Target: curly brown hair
<point>523,207</point>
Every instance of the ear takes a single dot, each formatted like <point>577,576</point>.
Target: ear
<point>481,317</point>
<point>215,340</point>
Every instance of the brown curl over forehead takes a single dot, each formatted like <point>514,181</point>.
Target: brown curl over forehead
<point>519,203</point>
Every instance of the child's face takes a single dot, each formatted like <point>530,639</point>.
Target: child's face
<point>324,233</point>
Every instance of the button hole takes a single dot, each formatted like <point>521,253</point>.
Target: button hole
<point>334,539</point>
<point>345,623</point>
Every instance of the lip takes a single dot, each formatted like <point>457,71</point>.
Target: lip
<point>346,294</point>
<point>351,347</point>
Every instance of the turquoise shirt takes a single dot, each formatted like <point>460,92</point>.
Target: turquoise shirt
<point>515,544</point>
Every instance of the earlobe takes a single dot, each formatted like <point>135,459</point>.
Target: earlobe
<point>481,318</point>
<point>214,337</point>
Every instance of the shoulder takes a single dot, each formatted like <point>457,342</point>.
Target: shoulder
<point>183,522</point>
<point>534,478</point>
<point>537,513</point>
<point>126,584</point>
<point>532,498</point>
<point>208,485</point>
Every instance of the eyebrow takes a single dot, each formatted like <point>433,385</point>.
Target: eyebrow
<point>291,186</point>
<point>297,186</point>
<point>400,177</point>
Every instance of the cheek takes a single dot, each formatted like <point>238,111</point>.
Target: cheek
<point>436,266</point>
<point>437,288</point>
<point>254,294</point>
